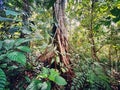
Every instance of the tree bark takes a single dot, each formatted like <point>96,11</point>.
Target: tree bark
<point>60,40</point>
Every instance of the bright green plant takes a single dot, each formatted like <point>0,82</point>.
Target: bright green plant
<point>45,78</point>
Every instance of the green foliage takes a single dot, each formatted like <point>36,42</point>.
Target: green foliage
<point>43,80</point>
<point>10,12</point>
<point>17,56</point>
<point>8,44</point>
<point>60,81</point>
<point>50,3</point>
<point>24,48</point>
<point>38,85</point>
<point>6,19</point>
<point>2,79</point>
<point>116,12</point>
<point>11,52</point>
<point>14,50</point>
<point>1,44</point>
<point>35,85</point>
<point>91,76</point>
<point>52,75</point>
<point>21,41</point>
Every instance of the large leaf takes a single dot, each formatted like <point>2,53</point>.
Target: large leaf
<point>60,80</point>
<point>18,57</point>
<point>2,79</point>
<point>24,48</point>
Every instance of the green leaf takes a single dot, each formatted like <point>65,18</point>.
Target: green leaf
<point>26,31</point>
<point>3,65</point>
<point>45,70</point>
<point>49,85</point>
<point>2,79</point>
<point>8,44</point>
<point>24,48</point>
<point>2,56</point>
<point>35,85</point>
<point>60,80</point>
<point>21,41</point>
<point>44,86</point>
<point>10,12</point>
<point>44,74</point>
<point>18,57</point>
<point>11,68</point>
<point>53,74</point>
<point>27,79</point>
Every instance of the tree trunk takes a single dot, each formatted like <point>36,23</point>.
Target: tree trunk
<point>91,35</point>
<point>60,40</point>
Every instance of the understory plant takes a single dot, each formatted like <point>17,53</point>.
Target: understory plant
<point>12,61</point>
<point>46,79</point>
<point>91,75</point>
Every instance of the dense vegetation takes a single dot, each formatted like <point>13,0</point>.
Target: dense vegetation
<point>59,44</point>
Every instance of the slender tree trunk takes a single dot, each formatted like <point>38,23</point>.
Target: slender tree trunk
<point>91,35</point>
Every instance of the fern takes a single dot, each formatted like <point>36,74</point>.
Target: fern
<point>2,79</point>
<point>90,76</point>
<point>78,81</point>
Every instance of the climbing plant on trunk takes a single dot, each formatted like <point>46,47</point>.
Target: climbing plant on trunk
<point>60,40</point>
